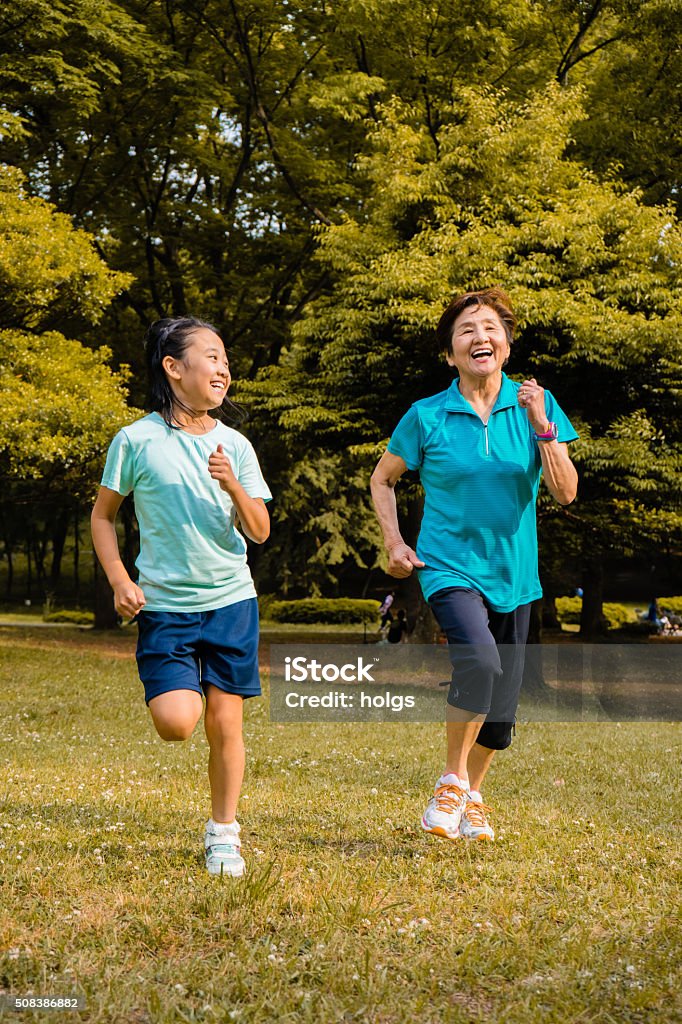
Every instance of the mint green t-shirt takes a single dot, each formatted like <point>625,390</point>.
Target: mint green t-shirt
<point>192,557</point>
<point>480,490</point>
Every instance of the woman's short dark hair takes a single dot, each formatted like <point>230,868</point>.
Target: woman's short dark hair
<point>171,337</point>
<point>493,297</point>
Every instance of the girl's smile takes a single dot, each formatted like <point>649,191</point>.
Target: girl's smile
<point>200,379</point>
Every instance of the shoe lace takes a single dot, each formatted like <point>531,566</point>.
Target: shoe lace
<point>476,812</point>
<point>224,848</point>
<point>448,797</point>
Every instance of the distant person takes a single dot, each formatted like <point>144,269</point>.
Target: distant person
<point>194,481</point>
<point>397,632</point>
<point>481,448</point>
<point>654,614</point>
<point>385,609</point>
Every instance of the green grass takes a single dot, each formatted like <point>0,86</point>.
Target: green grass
<point>349,912</point>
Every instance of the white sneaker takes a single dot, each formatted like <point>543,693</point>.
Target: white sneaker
<point>445,808</point>
<point>223,849</point>
<point>473,823</point>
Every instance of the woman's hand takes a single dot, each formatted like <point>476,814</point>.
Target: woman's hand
<point>402,560</point>
<point>128,599</point>
<point>221,470</point>
<point>531,397</point>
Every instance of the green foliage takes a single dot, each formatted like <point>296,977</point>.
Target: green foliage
<point>60,404</point>
<point>318,178</point>
<point>593,273</point>
<point>616,614</point>
<point>59,401</point>
<point>328,610</point>
<point>50,273</point>
<point>671,604</point>
<point>71,616</point>
<point>569,609</point>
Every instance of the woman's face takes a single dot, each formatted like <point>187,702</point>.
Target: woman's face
<point>479,343</point>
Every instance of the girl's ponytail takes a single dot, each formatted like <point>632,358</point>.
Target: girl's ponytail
<point>170,337</point>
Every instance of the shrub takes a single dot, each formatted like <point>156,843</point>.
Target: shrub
<point>638,628</point>
<point>616,614</point>
<point>323,609</point>
<point>76,618</point>
<point>671,604</point>
<point>569,608</point>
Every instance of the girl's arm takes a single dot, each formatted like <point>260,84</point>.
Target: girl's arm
<point>128,598</point>
<point>252,513</point>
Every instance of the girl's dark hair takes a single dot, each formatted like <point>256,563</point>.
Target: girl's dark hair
<point>171,337</point>
<point>493,297</point>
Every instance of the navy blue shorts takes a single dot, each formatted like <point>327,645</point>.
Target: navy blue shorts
<point>487,651</point>
<point>190,650</point>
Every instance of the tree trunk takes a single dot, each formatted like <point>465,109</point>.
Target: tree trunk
<point>59,532</point>
<point>549,614</point>
<point>76,553</point>
<point>536,622</point>
<point>421,625</point>
<point>29,567</point>
<point>534,684</point>
<point>105,613</point>
<point>592,622</point>
<point>7,541</point>
<point>131,537</point>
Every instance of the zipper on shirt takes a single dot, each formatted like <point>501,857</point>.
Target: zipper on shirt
<point>487,447</point>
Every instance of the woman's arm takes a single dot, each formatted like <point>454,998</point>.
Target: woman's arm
<point>252,513</point>
<point>559,472</point>
<point>401,558</point>
<point>128,598</point>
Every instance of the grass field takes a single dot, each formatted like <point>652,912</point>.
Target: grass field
<point>349,912</point>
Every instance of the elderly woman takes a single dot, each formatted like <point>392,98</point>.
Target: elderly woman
<point>480,448</point>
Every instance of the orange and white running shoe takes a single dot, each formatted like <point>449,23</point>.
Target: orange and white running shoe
<point>473,823</point>
<point>445,808</point>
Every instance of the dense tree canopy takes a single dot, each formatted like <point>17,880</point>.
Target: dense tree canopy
<point>318,177</point>
<point>59,401</point>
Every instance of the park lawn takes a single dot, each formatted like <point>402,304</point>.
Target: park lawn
<point>349,912</point>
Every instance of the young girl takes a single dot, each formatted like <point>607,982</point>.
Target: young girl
<point>194,481</point>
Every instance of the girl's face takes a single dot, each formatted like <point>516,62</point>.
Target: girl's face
<point>479,343</point>
<point>200,379</point>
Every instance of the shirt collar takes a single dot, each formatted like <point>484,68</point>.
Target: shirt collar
<point>455,401</point>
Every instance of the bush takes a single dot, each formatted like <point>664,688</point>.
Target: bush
<point>638,628</point>
<point>323,609</point>
<point>671,604</point>
<point>569,608</point>
<point>617,615</point>
<point>76,618</point>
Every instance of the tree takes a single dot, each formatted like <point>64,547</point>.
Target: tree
<point>594,275</point>
<point>208,147</point>
<point>60,402</point>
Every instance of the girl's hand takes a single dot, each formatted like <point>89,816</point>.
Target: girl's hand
<point>532,398</point>
<point>128,599</point>
<point>220,469</point>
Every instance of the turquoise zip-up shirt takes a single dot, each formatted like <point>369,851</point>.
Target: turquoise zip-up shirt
<point>480,486</point>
